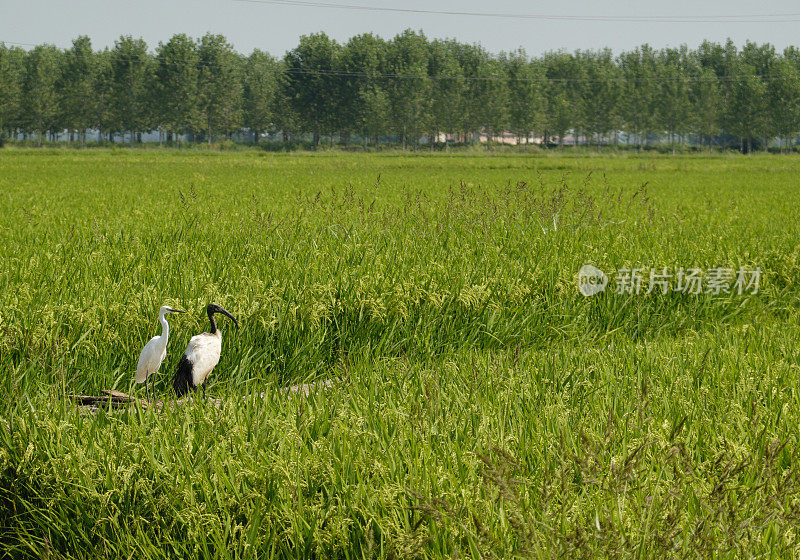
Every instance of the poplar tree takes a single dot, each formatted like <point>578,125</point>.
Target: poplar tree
<point>762,59</point>
<point>490,89</point>
<point>260,90</point>
<point>104,112</point>
<point>364,104</point>
<point>525,98</point>
<point>600,90</point>
<point>783,99</point>
<point>673,92</point>
<point>704,102</point>
<point>744,98</point>
<point>40,103</point>
<point>220,86</point>
<point>447,88</point>
<point>312,83</point>
<point>130,74</point>
<point>564,75</point>
<point>77,87</point>
<point>286,118</point>
<point>640,96</point>
<point>12,72</point>
<point>177,74</point>
<point>409,90</point>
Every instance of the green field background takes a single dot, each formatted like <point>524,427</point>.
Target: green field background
<point>481,406</point>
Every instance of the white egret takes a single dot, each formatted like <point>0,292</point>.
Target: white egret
<point>201,355</point>
<point>154,351</point>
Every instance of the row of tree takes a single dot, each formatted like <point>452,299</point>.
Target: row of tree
<point>406,88</point>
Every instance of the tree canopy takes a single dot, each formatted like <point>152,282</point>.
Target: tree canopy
<point>406,89</point>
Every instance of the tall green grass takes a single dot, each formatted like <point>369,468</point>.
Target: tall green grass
<point>482,408</point>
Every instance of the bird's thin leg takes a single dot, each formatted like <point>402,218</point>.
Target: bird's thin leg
<point>204,390</point>
<point>146,394</point>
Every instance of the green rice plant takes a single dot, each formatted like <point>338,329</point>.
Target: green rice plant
<point>481,406</point>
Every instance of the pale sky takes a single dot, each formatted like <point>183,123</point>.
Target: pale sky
<point>276,28</point>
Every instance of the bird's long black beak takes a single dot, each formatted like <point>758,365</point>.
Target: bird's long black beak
<point>171,310</point>
<point>231,317</point>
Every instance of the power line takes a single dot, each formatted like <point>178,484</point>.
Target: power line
<point>751,18</point>
<point>541,79</point>
<point>391,75</point>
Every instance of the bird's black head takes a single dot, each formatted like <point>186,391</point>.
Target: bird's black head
<point>214,308</point>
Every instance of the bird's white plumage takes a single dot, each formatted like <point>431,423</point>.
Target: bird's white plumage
<point>203,353</point>
<point>154,351</point>
<point>151,357</point>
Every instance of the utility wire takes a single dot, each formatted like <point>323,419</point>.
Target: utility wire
<point>389,75</point>
<point>751,18</point>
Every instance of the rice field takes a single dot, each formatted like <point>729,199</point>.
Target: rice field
<point>480,407</point>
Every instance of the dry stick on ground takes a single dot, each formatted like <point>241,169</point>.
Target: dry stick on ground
<point>116,399</point>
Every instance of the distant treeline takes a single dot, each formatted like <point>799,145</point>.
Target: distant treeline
<point>407,88</point>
